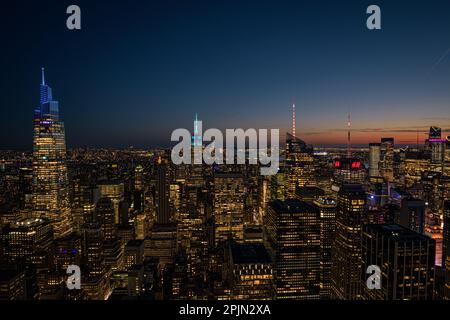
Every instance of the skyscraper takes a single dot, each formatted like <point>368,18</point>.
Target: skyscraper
<point>406,259</point>
<point>299,162</point>
<point>446,233</point>
<point>437,144</point>
<point>446,169</point>
<point>293,238</point>
<point>229,194</point>
<point>327,208</point>
<point>412,214</point>
<point>374,159</point>
<point>387,159</point>
<point>346,253</point>
<point>50,181</point>
<point>163,215</point>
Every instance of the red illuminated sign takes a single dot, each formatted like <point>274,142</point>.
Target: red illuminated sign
<point>356,164</point>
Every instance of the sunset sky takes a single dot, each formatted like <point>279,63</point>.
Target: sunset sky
<point>140,69</point>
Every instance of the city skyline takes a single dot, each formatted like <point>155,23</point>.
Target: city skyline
<point>149,75</point>
<point>118,201</point>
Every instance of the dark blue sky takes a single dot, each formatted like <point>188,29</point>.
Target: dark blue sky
<point>139,69</point>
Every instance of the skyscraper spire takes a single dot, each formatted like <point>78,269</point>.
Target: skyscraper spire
<point>349,143</point>
<point>293,120</point>
<point>43,76</point>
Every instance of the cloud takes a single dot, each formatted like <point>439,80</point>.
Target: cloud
<point>421,129</point>
<point>439,61</point>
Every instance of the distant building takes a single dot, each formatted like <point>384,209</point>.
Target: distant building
<point>374,159</point>
<point>228,199</point>
<point>387,159</point>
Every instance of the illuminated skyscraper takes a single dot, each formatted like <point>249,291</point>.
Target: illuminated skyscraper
<point>114,190</point>
<point>446,233</point>
<point>229,194</point>
<point>346,252</point>
<point>374,159</point>
<point>50,181</point>
<point>387,159</point>
<point>446,169</point>
<point>292,232</point>
<point>104,214</point>
<point>327,208</point>
<point>406,259</point>
<point>348,170</point>
<point>436,145</point>
<point>93,279</point>
<point>299,162</point>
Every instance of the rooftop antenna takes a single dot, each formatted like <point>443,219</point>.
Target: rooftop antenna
<point>43,76</point>
<point>349,144</point>
<point>293,120</point>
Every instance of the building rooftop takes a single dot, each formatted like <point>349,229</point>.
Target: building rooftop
<point>293,206</point>
<point>249,253</point>
<point>395,232</point>
<point>310,192</point>
<point>354,187</point>
<point>135,243</point>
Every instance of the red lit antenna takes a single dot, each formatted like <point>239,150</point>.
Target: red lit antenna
<point>293,120</point>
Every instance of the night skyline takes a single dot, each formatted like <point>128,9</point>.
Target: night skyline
<point>134,73</point>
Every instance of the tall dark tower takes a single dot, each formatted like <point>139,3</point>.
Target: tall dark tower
<point>446,233</point>
<point>162,193</point>
<point>346,252</point>
<point>299,161</point>
<point>292,234</point>
<point>50,182</point>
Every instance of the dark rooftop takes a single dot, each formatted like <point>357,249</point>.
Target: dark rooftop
<point>249,253</point>
<point>396,232</point>
<point>293,206</point>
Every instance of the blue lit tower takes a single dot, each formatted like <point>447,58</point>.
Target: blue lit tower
<point>50,182</point>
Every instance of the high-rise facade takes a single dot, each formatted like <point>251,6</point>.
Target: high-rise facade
<point>299,165</point>
<point>346,252</point>
<point>50,187</point>
<point>437,144</point>
<point>412,214</point>
<point>446,169</point>
<point>374,159</point>
<point>292,234</point>
<point>327,208</point>
<point>248,269</point>
<point>387,159</point>
<point>446,233</point>
<point>229,194</point>
<point>163,215</point>
<point>405,258</point>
